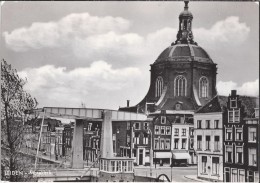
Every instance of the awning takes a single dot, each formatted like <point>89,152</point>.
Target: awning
<point>163,155</point>
<point>180,155</point>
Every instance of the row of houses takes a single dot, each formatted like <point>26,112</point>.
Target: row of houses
<point>220,137</point>
<point>226,139</point>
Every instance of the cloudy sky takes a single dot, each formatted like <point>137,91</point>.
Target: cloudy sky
<point>99,53</point>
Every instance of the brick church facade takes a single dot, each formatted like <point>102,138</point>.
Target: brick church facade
<point>183,78</point>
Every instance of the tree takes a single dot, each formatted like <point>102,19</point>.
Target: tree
<point>14,101</point>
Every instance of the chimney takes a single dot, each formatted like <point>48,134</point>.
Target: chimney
<point>233,92</point>
<point>128,102</point>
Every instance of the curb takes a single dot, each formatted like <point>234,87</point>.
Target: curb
<point>193,179</point>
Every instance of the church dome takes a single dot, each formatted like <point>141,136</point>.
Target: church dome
<point>185,13</point>
<point>184,52</point>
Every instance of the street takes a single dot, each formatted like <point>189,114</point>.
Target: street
<point>178,173</point>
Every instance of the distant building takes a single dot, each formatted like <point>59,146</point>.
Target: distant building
<point>240,130</point>
<point>180,143</point>
<point>59,141</point>
<point>162,134</point>
<point>208,122</point>
<point>91,140</point>
<point>67,140</point>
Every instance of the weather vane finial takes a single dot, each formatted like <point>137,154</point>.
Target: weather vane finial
<point>186,5</point>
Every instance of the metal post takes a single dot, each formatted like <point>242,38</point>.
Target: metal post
<point>151,152</point>
<point>36,158</point>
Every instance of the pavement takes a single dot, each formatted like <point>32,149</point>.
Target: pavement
<point>194,178</point>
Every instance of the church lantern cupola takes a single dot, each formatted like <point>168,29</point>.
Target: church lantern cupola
<point>185,35</point>
<point>183,77</point>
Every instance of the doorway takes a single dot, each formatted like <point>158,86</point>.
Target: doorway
<point>141,152</point>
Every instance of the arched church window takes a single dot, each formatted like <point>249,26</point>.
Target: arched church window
<point>203,87</point>
<point>158,86</point>
<point>180,86</point>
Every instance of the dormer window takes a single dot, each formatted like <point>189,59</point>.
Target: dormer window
<point>233,103</point>
<point>178,106</point>
<point>163,119</point>
<point>256,112</point>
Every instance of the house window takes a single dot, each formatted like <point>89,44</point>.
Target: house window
<point>216,124</point>
<point>158,86</point>
<point>191,132</point>
<point>137,126</point>
<point>229,134</point>
<point>229,152</point>
<point>180,84</point>
<point>145,139</point>
<point>176,132</point>
<point>113,166</point>
<point>162,130</point>
<point>162,144</point>
<point>241,176</point>
<point>89,126</point>
<point>233,116</point>
<point>252,134</point>
<point>239,134</point>
<point>215,165</point>
<point>233,103</point>
<point>163,119</point>
<point>191,143</point>
<point>207,142</point>
<point>168,130</point>
<point>118,167</point>
<point>204,164</point>
<point>252,161</point>
<point>208,124</point>
<point>199,142</point>
<point>183,144</point>
<point>239,155</point>
<point>203,87</point>
<point>105,165</point>
<point>216,143</point>
<point>227,175</point>
<point>136,138</point>
<point>124,166</point>
<point>256,112</point>
<point>130,165</point>
<point>233,175</point>
<point>167,144</point>
<point>128,125</point>
<point>156,129</point>
<point>199,124</point>
<point>147,152</point>
<point>183,132</point>
<point>176,143</point>
<point>146,127</point>
<point>128,139</point>
<point>156,143</point>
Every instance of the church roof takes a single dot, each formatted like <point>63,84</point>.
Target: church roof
<point>184,52</point>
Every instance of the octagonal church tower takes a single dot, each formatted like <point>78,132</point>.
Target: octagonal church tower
<point>183,77</point>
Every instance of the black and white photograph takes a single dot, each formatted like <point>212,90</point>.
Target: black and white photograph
<point>130,91</point>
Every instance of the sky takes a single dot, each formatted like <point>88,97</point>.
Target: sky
<point>99,53</point>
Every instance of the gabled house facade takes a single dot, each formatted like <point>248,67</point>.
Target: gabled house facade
<point>208,137</point>
<point>240,130</point>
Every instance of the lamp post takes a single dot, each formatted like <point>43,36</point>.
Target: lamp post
<point>151,151</point>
